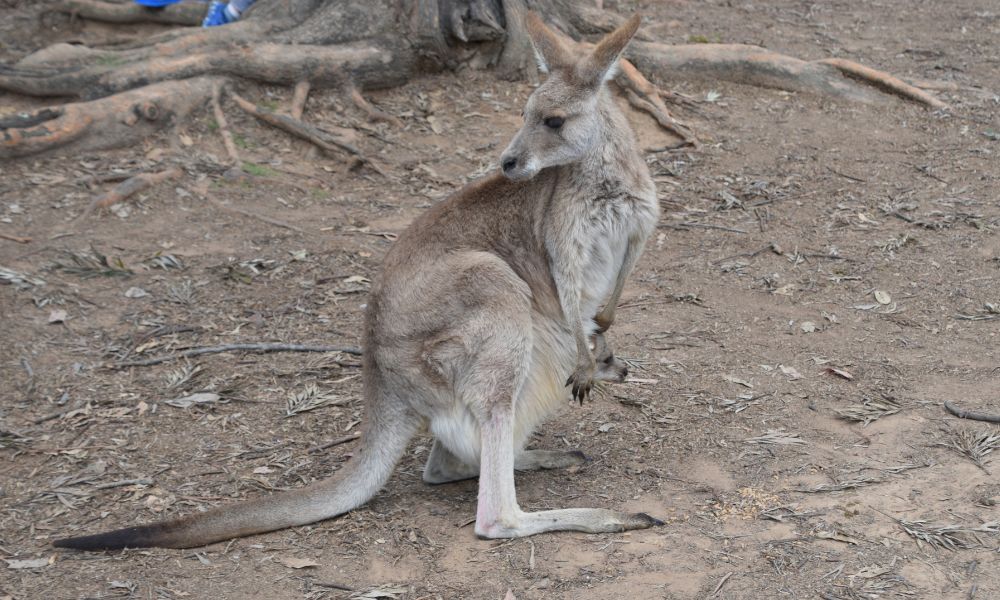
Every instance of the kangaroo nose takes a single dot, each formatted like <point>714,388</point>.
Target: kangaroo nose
<point>508,164</point>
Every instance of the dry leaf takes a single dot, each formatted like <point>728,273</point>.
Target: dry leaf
<point>382,592</point>
<point>147,346</point>
<point>31,563</point>
<point>435,124</point>
<point>297,563</point>
<point>882,297</point>
<point>840,372</point>
<point>792,372</point>
<point>836,536</point>
<point>738,381</point>
<point>156,503</point>
<point>189,401</point>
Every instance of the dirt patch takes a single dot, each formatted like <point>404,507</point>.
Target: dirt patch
<point>752,320</point>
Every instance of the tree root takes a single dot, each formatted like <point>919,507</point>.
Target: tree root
<point>325,140</point>
<point>299,97</point>
<point>220,119</point>
<point>753,65</point>
<point>119,120</point>
<point>385,51</point>
<point>368,64</point>
<point>183,13</point>
<point>645,96</point>
<point>131,186</point>
<point>884,81</point>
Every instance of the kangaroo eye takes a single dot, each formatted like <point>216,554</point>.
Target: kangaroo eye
<point>554,122</point>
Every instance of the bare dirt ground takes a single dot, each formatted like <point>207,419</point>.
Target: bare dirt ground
<point>815,260</point>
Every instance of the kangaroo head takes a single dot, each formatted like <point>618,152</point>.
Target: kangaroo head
<point>562,120</point>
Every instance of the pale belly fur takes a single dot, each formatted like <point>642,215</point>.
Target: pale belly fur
<point>543,392</point>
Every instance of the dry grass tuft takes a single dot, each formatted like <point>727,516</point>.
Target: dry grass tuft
<point>950,537</point>
<point>777,437</point>
<point>870,410</point>
<point>310,398</point>
<point>974,445</point>
<point>92,265</point>
<point>181,377</point>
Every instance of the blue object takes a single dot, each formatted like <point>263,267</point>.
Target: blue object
<point>156,3</point>
<point>217,15</point>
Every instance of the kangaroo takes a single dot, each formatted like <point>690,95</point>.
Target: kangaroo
<point>485,305</point>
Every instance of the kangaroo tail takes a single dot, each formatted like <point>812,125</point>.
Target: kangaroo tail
<point>383,443</point>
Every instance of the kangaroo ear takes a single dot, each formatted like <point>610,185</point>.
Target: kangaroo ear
<point>549,50</point>
<point>602,64</point>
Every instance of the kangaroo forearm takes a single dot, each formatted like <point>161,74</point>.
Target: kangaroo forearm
<point>606,317</point>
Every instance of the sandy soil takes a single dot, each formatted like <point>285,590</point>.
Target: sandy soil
<point>815,259</point>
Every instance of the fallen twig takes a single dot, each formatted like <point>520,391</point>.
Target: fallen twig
<point>333,585</point>
<point>253,215</point>
<point>374,114</point>
<point>123,483</point>
<point>336,442</point>
<point>15,238</point>
<point>262,348</point>
<point>968,414</point>
<point>323,139</point>
<point>52,415</point>
<point>130,187</point>
<point>722,582</point>
<point>688,224</point>
<point>845,175</point>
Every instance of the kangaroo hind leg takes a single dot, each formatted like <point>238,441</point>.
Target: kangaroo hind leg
<point>498,514</point>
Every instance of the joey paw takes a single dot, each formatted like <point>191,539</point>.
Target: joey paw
<point>582,381</point>
<point>603,322</point>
